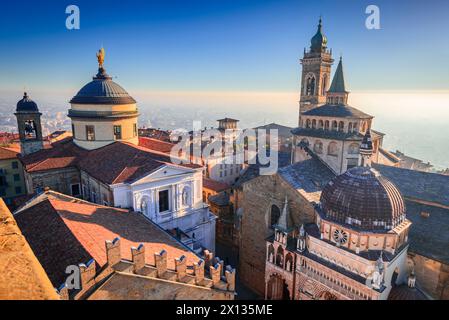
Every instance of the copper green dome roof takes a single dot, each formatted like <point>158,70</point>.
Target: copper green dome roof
<point>102,90</point>
<point>319,40</point>
<point>364,199</point>
<point>26,105</point>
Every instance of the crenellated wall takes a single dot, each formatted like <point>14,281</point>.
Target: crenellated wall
<point>136,280</point>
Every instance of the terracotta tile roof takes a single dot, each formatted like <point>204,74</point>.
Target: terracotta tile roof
<point>214,185</point>
<point>115,163</point>
<point>61,154</point>
<point>8,153</point>
<point>64,231</point>
<point>156,145</point>
<point>123,162</point>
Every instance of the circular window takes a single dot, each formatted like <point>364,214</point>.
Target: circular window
<point>340,236</point>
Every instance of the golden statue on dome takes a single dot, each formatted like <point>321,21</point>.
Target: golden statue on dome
<point>100,57</point>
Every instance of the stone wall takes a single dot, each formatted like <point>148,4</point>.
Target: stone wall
<point>259,196</point>
<point>57,180</point>
<point>129,287</point>
<point>432,276</point>
<point>90,185</point>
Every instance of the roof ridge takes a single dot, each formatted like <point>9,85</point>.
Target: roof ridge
<point>123,170</point>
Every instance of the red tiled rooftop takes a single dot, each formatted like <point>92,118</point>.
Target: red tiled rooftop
<point>64,231</point>
<point>8,153</point>
<point>156,145</point>
<point>114,163</point>
<point>214,185</point>
<point>61,154</point>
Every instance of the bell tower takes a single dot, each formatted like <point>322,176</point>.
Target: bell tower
<point>29,124</point>
<point>316,72</point>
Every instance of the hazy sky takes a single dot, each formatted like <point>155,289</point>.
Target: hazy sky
<point>221,45</point>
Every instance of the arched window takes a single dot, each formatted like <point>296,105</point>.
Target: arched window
<point>310,85</point>
<point>350,127</point>
<point>318,147</point>
<point>270,256</point>
<point>326,125</point>
<point>353,148</point>
<point>289,262</point>
<point>308,123</point>
<point>324,85</point>
<point>341,126</point>
<point>274,215</point>
<point>334,125</point>
<point>332,149</point>
<point>313,124</point>
<point>280,257</point>
<point>320,124</point>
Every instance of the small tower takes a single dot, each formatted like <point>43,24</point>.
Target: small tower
<point>281,229</point>
<point>29,124</point>
<point>316,71</point>
<point>366,150</point>
<point>301,244</point>
<point>337,94</point>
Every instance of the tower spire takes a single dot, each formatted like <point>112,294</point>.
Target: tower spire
<point>283,220</point>
<point>337,93</point>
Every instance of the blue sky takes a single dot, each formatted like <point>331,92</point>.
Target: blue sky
<point>221,45</point>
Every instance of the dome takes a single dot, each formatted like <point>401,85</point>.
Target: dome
<point>26,105</point>
<point>319,40</point>
<point>102,90</point>
<point>361,197</point>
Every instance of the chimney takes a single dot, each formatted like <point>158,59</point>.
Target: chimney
<point>87,274</point>
<point>230,278</point>
<point>138,257</point>
<point>208,258</point>
<point>63,292</point>
<point>215,273</point>
<point>198,267</point>
<point>181,267</point>
<point>221,263</point>
<point>113,252</point>
<point>161,262</point>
